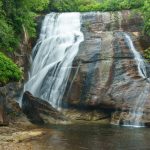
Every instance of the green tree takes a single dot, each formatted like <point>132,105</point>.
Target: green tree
<point>15,15</point>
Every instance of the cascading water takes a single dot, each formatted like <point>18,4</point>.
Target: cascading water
<point>136,112</point>
<point>138,58</point>
<point>53,55</point>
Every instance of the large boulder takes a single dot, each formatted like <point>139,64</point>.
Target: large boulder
<point>39,111</point>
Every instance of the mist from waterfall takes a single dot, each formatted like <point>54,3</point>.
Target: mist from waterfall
<point>53,55</point>
<point>136,113</point>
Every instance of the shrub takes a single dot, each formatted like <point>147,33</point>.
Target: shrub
<point>93,5</point>
<point>8,40</point>
<point>146,16</point>
<point>9,71</point>
<point>147,53</point>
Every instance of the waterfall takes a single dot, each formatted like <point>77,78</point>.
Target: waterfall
<point>138,58</point>
<point>53,55</point>
<point>136,113</point>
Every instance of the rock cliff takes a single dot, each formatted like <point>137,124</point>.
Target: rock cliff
<point>104,73</point>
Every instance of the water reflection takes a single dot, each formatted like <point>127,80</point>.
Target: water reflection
<point>94,137</point>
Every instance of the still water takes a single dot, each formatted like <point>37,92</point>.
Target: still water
<point>94,137</point>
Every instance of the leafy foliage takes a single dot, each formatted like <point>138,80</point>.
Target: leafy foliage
<point>8,70</point>
<point>7,36</point>
<point>147,53</point>
<point>146,16</point>
<point>94,5</point>
<point>14,15</point>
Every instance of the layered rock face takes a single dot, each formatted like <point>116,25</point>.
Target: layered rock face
<point>105,73</point>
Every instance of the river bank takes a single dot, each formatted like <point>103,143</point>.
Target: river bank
<point>18,136</point>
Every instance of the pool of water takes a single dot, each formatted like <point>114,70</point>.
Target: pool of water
<point>94,137</point>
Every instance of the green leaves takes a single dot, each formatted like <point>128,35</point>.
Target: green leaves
<point>8,70</point>
<point>146,16</point>
<point>94,5</point>
<point>8,40</point>
<point>26,13</point>
<point>147,54</point>
<point>13,15</point>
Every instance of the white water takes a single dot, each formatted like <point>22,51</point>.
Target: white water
<point>138,58</point>
<point>136,112</point>
<point>53,55</point>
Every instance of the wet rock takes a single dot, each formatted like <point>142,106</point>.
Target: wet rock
<point>40,111</point>
<point>111,21</point>
<point>86,115</point>
<point>147,124</point>
<point>129,119</point>
<point>104,73</point>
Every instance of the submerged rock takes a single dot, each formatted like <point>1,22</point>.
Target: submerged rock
<point>40,111</point>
